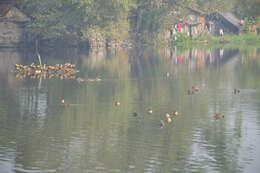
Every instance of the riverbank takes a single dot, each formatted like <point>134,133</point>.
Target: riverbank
<point>232,41</point>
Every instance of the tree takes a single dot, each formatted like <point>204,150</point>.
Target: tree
<point>75,19</point>
<point>248,8</point>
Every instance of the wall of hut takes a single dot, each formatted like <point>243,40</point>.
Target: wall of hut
<point>229,24</point>
<point>11,27</point>
<point>10,33</point>
<point>189,22</point>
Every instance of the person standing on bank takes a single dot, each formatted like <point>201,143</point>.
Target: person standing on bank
<point>221,32</point>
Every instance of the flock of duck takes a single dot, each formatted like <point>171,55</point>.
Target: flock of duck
<point>167,116</point>
<point>60,71</point>
<point>68,71</point>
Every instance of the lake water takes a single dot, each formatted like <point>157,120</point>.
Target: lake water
<point>39,134</point>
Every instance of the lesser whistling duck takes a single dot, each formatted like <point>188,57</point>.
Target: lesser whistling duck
<point>218,116</point>
<point>167,115</point>
<point>175,113</point>
<point>236,91</point>
<point>117,103</point>
<point>64,103</point>
<point>149,111</point>
<point>135,114</point>
<point>162,125</point>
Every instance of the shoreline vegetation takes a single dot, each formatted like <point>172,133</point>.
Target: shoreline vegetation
<point>128,23</point>
<point>229,41</point>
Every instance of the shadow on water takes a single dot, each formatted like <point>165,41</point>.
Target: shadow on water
<point>37,133</point>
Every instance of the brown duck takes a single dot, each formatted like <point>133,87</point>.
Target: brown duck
<point>190,92</point>
<point>64,103</point>
<point>167,115</point>
<point>149,111</point>
<point>117,103</point>
<point>218,116</point>
<point>169,120</point>
<point>175,113</point>
<point>162,125</point>
<point>236,91</point>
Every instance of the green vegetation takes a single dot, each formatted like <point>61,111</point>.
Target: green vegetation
<point>231,41</point>
<point>77,20</point>
<point>180,39</point>
<point>83,20</point>
<point>243,8</point>
<point>248,8</point>
<point>243,39</point>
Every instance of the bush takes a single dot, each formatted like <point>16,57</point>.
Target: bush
<point>180,38</point>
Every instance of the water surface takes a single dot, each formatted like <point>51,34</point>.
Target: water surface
<point>38,134</point>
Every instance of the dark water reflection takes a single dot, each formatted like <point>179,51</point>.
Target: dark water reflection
<point>37,134</point>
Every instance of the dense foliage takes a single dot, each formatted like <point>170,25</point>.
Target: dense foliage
<point>79,20</point>
<point>248,8</point>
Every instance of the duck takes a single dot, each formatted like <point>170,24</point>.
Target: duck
<point>195,88</point>
<point>91,80</point>
<point>98,79</point>
<point>79,80</point>
<point>32,66</point>
<point>64,103</point>
<point>117,103</point>
<point>167,115</point>
<point>149,111</point>
<point>190,92</point>
<point>236,91</point>
<point>162,125</point>
<point>175,113</point>
<point>169,120</point>
<point>37,71</point>
<point>135,114</point>
<point>218,116</point>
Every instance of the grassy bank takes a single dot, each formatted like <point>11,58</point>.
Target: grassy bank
<point>233,41</point>
<point>238,40</point>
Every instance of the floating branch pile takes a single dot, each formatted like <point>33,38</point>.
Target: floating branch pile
<point>61,71</point>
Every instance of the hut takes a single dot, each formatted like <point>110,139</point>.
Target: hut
<point>188,21</point>
<point>226,22</point>
<point>195,21</point>
<point>12,22</point>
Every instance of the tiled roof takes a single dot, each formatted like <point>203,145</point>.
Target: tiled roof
<point>231,18</point>
<point>14,15</point>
